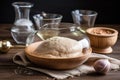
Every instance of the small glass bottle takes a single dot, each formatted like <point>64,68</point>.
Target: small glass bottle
<point>23,26</point>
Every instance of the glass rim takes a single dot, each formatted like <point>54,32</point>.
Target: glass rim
<point>59,16</point>
<point>92,12</point>
<point>22,4</point>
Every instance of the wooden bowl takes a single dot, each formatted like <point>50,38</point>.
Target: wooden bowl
<point>102,39</point>
<point>56,63</point>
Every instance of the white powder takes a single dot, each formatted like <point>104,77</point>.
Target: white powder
<point>23,22</point>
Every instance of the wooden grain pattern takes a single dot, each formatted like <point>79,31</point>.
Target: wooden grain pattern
<point>8,68</point>
<point>101,42</point>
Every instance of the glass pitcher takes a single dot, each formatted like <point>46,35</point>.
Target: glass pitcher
<point>23,26</point>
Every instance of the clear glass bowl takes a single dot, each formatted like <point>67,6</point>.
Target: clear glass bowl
<point>64,30</point>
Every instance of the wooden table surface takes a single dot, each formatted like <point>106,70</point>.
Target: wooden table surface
<point>11,71</point>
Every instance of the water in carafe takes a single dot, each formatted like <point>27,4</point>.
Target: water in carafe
<point>22,25</point>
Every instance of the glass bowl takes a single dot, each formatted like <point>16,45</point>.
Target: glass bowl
<point>68,30</point>
<point>81,48</point>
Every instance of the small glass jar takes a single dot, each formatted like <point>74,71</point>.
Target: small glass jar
<point>84,19</point>
<point>23,26</point>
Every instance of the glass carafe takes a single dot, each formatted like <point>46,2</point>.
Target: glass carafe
<point>23,26</point>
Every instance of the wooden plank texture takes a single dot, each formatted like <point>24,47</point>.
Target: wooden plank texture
<point>8,69</point>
